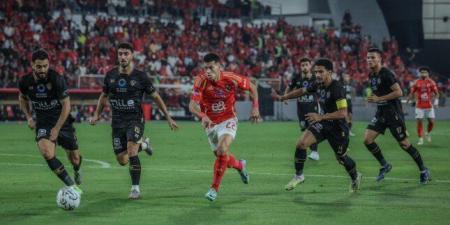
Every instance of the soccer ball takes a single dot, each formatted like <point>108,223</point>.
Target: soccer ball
<point>68,199</point>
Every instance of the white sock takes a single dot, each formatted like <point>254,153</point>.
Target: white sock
<point>135,187</point>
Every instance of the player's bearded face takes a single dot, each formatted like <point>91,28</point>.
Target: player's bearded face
<point>212,70</point>
<point>125,56</point>
<point>40,68</point>
<point>306,67</point>
<point>322,74</point>
<point>373,59</point>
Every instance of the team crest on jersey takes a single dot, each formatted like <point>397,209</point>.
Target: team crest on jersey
<point>228,87</point>
<point>122,83</point>
<point>49,86</point>
<point>40,88</point>
<point>132,82</point>
<point>112,81</point>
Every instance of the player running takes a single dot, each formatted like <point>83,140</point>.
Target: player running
<point>425,90</point>
<point>386,93</point>
<point>125,87</point>
<point>330,126</point>
<point>348,95</point>
<point>306,103</point>
<point>212,100</point>
<point>46,90</point>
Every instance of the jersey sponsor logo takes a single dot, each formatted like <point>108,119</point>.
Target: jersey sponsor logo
<point>218,107</point>
<point>305,84</point>
<point>38,105</point>
<point>122,104</point>
<point>40,88</point>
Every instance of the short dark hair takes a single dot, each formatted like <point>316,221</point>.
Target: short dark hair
<point>325,63</point>
<point>126,45</point>
<point>211,57</point>
<point>426,68</point>
<point>305,59</point>
<point>39,54</point>
<point>375,49</point>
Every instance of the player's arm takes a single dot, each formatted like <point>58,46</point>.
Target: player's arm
<point>162,106</point>
<point>65,111</point>
<point>290,95</point>
<point>435,95</point>
<point>254,117</point>
<point>24,105</point>
<point>411,94</point>
<point>101,102</point>
<point>194,108</point>
<point>396,92</point>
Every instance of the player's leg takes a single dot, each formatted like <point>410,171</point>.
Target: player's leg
<point>400,134</point>
<point>339,145</point>
<point>134,134</point>
<point>47,149</point>
<point>68,140</point>
<point>119,141</point>
<point>374,129</point>
<point>314,155</point>
<point>308,138</point>
<point>430,116</point>
<point>420,113</point>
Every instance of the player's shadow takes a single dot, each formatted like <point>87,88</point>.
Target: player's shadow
<point>325,208</point>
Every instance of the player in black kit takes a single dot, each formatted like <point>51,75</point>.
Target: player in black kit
<point>46,90</point>
<point>348,95</point>
<point>306,103</point>
<point>331,125</point>
<point>125,87</point>
<point>386,93</point>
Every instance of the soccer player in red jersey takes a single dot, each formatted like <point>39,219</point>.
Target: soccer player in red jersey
<point>212,100</point>
<point>426,93</point>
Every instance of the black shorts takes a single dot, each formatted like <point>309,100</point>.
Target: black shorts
<point>389,119</point>
<point>66,138</point>
<point>303,123</point>
<point>335,133</point>
<point>121,136</point>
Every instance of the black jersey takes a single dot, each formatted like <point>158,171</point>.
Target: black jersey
<point>348,90</point>
<point>381,85</point>
<point>308,102</point>
<point>329,97</point>
<point>125,94</point>
<point>45,96</point>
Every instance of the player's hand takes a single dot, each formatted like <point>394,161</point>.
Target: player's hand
<point>54,132</point>
<point>373,99</point>
<point>93,120</point>
<point>275,95</point>
<point>255,117</point>
<point>172,124</point>
<point>31,123</point>
<point>313,117</point>
<point>206,122</point>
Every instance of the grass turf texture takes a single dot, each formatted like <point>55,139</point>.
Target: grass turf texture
<point>175,179</point>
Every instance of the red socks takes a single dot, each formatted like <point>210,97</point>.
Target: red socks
<point>220,166</point>
<point>233,163</point>
<point>430,126</point>
<point>419,128</point>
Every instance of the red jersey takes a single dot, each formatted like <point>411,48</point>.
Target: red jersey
<point>423,89</point>
<point>217,98</point>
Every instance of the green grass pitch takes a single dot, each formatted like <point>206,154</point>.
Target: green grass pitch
<point>175,179</point>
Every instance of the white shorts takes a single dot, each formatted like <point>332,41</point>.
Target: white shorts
<point>428,113</point>
<point>226,127</point>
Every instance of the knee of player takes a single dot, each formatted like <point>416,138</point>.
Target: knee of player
<point>122,162</point>
<point>302,145</point>
<point>221,150</point>
<point>340,159</point>
<point>367,141</point>
<point>404,144</point>
<point>47,154</point>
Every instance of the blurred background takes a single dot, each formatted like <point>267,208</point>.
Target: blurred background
<point>261,39</point>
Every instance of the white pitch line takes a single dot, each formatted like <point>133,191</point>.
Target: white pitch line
<point>253,173</point>
<point>102,164</point>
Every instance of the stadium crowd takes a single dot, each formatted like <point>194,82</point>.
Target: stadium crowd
<point>170,47</point>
